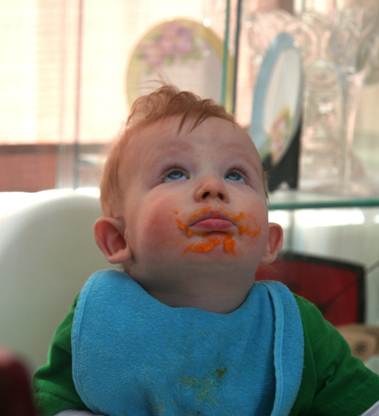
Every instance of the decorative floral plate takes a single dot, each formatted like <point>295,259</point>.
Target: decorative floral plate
<point>181,52</point>
<point>277,98</point>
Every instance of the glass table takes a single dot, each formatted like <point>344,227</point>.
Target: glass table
<point>294,200</point>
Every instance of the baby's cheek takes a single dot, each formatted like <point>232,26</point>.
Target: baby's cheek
<point>160,231</point>
<point>252,231</point>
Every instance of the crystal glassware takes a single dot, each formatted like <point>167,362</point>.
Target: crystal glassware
<point>339,42</point>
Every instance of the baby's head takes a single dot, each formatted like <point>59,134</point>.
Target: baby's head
<point>165,103</point>
<point>184,201</point>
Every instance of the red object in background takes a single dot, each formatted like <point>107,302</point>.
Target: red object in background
<point>15,387</point>
<point>336,287</point>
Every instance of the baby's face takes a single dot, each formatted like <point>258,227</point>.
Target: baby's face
<point>194,202</point>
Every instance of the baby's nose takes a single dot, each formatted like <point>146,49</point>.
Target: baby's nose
<point>211,188</point>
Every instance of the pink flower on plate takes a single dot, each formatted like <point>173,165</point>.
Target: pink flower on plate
<point>184,43</point>
<point>153,56</point>
<point>166,45</point>
<point>175,39</point>
<point>171,42</point>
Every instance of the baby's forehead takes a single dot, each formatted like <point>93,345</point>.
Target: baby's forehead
<point>169,136</point>
<point>173,128</point>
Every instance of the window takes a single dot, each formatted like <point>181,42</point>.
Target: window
<point>63,81</point>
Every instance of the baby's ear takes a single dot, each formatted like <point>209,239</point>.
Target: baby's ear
<point>274,243</point>
<point>110,237</point>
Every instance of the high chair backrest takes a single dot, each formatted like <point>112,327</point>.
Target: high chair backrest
<point>47,251</point>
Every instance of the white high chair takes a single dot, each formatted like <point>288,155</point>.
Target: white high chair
<point>47,251</point>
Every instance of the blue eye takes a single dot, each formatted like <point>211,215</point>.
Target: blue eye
<point>235,176</point>
<point>175,175</point>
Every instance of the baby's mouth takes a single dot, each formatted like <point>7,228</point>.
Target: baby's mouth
<point>209,220</point>
<point>209,213</point>
<point>212,224</point>
<point>217,228</point>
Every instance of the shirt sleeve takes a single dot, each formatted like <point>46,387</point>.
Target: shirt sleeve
<point>53,385</point>
<point>334,382</point>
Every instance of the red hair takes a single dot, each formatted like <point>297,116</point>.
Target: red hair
<point>165,102</point>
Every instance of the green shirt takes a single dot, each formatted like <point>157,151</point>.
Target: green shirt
<point>333,381</point>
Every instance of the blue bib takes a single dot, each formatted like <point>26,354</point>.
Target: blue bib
<point>133,355</point>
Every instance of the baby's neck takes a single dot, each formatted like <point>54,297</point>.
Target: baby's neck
<point>214,289</point>
<point>219,303</point>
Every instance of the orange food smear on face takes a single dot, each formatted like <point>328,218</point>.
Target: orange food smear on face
<point>251,232</point>
<point>204,246</point>
<point>229,245</point>
<point>209,242</point>
<point>185,228</point>
<point>199,213</point>
<point>237,218</point>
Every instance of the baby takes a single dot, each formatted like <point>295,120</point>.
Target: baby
<point>184,329</point>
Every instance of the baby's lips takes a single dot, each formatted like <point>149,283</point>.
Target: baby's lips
<point>213,224</point>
